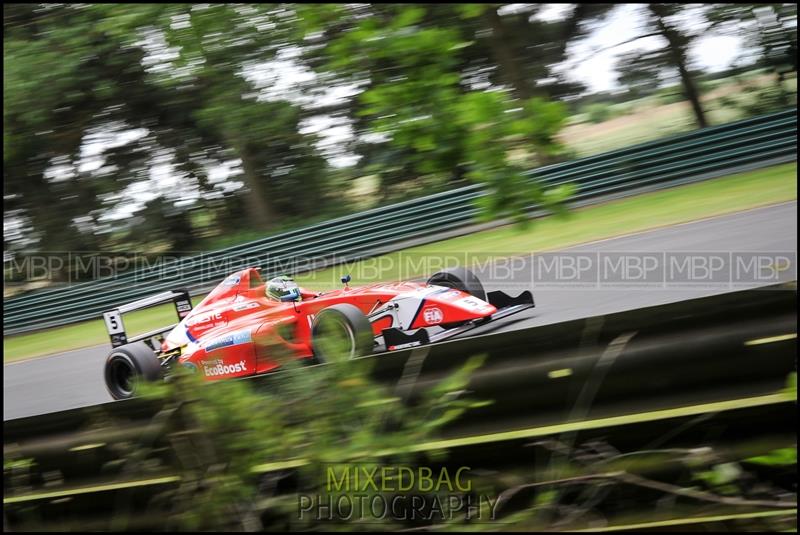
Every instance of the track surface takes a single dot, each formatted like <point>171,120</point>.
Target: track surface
<point>74,379</point>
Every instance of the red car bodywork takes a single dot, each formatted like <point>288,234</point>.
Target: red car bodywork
<point>237,331</point>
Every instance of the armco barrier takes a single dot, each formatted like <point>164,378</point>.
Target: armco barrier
<point>145,500</point>
<point>698,155</point>
<point>682,373</point>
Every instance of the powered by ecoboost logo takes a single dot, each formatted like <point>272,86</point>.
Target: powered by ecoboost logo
<point>218,367</point>
<point>368,493</point>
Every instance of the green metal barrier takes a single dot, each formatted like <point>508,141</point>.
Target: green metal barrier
<point>695,156</point>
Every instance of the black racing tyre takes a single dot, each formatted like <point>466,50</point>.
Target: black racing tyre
<point>341,332</point>
<point>128,364</point>
<point>461,279</point>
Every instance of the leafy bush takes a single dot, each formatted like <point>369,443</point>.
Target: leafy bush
<point>228,441</point>
<point>756,100</point>
<point>598,113</point>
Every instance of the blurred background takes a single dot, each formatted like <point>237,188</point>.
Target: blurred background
<point>189,127</point>
<point>168,130</point>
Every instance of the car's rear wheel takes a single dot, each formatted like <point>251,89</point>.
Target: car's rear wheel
<point>459,279</point>
<point>341,332</point>
<point>127,366</point>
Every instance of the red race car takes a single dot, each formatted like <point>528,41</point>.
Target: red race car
<point>246,326</point>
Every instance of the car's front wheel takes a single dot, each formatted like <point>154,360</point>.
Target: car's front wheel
<point>129,364</point>
<point>461,279</point>
<point>341,332</point>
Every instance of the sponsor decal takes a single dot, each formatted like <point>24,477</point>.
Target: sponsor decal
<point>474,303</point>
<point>233,280</point>
<point>404,346</point>
<point>236,338</point>
<point>183,307</point>
<point>451,295</point>
<point>433,315</point>
<point>245,306</point>
<point>190,366</point>
<point>217,367</point>
<point>205,317</point>
<point>118,339</point>
<point>426,291</point>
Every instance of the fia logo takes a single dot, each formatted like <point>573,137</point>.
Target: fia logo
<point>433,315</point>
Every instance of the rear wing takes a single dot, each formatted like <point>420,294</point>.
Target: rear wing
<point>116,328</point>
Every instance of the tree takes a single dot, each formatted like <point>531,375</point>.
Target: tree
<point>640,70</point>
<point>678,42</point>
<point>771,29</point>
<point>54,93</point>
<point>412,61</point>
<point>519,47</point>
<point>171,70</point>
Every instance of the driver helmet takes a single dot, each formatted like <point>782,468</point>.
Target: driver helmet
<point>283,288</point>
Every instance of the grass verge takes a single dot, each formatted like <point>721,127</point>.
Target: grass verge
<point>668,207</point>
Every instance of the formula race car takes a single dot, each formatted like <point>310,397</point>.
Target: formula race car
<point>247,326</point>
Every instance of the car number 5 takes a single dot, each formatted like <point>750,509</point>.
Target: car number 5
<point>113,322</point>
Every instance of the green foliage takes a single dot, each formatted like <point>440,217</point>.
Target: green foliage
<point>771,29</point>
<point>172,70</point>
<point>494,128</point>
<point>756,99</point>
<point>598,113</point>
<point>334,413</point>
<point>417,64</point>
<point>470,11</point>
<point>414,60</point>
<point>11,463</point>
<point>791,386</point>
<point>176,72</point>
<point>644,71</point>
<point>641,72</point>
<point>778,457</point>
<point>54,92</point>
<point>721,474</point>
<point>670,95</point>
